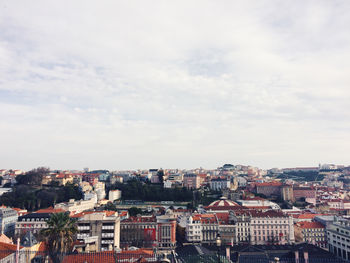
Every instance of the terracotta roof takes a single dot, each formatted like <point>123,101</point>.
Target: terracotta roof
<point>141,251</point>
<point>50,210</point>
<point>106,212</point>
<point>5,239</point>
<point>205,218</point>
<point>7,249</point>
<point>306,216</point>
<point>222,203</point>
<point>105,257</point>
<point>269,184</point>
<point>140,219</point>
<point>123,213</point>
<point>270,213</point>
<point>305,224</point>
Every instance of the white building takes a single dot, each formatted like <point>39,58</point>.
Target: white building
<point>219,184</point>
<point>338,235</point>
<point>259,203</point>
<point>105,225</point>
<point>77,206</point>
<point>114,195</point>
<point>271,227</point>
<point>8,219</point>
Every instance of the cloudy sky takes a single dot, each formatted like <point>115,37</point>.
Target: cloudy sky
<point>149,84</point>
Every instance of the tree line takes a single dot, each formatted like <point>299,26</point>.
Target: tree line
<point>136,190</point>
<point>29,193</point>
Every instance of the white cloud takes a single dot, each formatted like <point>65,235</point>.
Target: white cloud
<point>159,84</point>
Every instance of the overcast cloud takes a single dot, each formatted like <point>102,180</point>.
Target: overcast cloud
<point>174,84</point>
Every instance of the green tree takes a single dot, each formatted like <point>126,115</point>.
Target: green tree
<point>33,177</point>
<point>59,235</point>
<point>160,174</point>
<point>134,211</point>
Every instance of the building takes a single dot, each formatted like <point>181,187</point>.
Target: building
<point>8,253</point>
<point>139,231</point>
<point>114,195</point>
<point>202,228</point>
<point>269,188</point>
<point>219,184</point>
<point>311,232</point>
<point>223,205</point>
<point>271,227</point>
<point>191,181</point>
<point>8,219</point>
<point>149,231</point>
<point>166,231</point>
<point>287,193</point>
<point>338,238</point>
<point>104,226</point>
<point>77,206</point>
<point>259,204</point>
<point>304,193</point>
<point>34,222</point>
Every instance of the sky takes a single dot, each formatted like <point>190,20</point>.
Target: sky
<point>174,84</point>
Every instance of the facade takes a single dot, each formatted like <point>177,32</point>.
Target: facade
<point>77,206</point>
<point>304,192</point>
<point>202,228</point>
<point>8,219</point>
<point>166,231</point>
<point>219,184</point>
<point>191,181</point>
<point>104,226</point>
<point>271,227</point>
<point>149,231</point>
<point>8,253</point>
<point>31,222</point>
<point>287,193</point>
<point>139,231</point>
<point>269,188</point>
<point>338,238</point>
<point>311,232</point>
<point>114,195</point>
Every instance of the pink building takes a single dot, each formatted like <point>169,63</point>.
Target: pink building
<point>269,188</point>
<point>191,181</point>
<point>304,192</point>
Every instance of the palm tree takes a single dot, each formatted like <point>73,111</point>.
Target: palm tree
<point>59,235</point>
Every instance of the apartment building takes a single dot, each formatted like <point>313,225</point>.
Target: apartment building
<point>149,231</point>
<point>191,181</point>
<point>166,231</point>
<point>338,238</point>
<point>77,206</point>
<point>271,227</point>
<point>202,228</point>
<point>8,219</point>
<point>218,184</point>
<point>34,222</point>
<point>104,226</point>
<point>311,232</point>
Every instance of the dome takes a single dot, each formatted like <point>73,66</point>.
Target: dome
<point>223,203</point>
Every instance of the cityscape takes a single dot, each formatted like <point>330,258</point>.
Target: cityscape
<point>233,213</point>
<point>175,131</point>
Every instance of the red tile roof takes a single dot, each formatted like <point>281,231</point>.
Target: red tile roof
<point>7,249</point>
<point>306,216</point>
<point>102,257</point>
<point>50,210</point>
<point>106,212</point>
<point>269,184</point>
<point>305,224</point>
